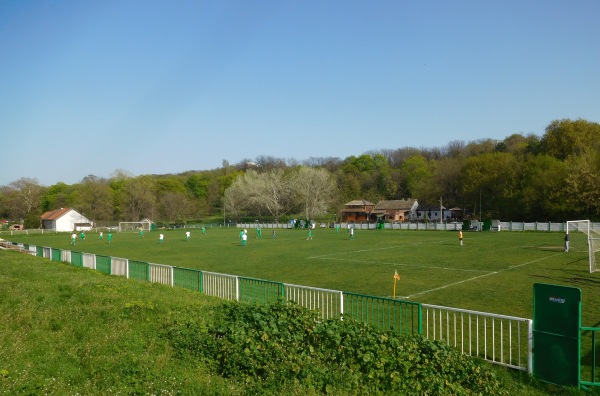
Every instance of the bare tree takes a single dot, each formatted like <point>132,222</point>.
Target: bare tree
<point>273,192</point>
<point>95,197</point>
<point>174,206</point>
<point>24,196</point>
<point>314,191</point>
<point>139,197</point>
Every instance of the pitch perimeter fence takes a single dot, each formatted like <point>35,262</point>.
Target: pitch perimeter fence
<point>499,339</point>
<point>431,225</point>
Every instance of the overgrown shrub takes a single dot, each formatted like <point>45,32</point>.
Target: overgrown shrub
<point>283,346</point>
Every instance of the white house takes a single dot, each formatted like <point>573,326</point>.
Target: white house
<point>65,219</point>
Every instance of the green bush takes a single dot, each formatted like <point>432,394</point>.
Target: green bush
<point>283,346</point>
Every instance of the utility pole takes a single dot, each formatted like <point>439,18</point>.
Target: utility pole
<point>480,219</point>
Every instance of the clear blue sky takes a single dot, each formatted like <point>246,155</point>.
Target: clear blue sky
<point>88,87</point>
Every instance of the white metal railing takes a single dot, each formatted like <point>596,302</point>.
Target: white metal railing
<point>328,302</point>
<point>89,260</point>
<point>119,266</point>
<point>500,339</point>
<point>160,273</point>
<point>220,285</point>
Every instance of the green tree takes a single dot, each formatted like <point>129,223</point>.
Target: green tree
<point>583,183</point>
<point>59,195</point>
<point>418,173</point>
<point>198,184</point>
<point>544,191</point>
<point>566,137</point>
<point>495,177</point>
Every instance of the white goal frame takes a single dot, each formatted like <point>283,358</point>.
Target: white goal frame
<point>592,237</point>
<point>134,226</point>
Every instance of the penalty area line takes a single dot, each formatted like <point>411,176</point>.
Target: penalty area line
<point>401,264</point>
<point>477,277</point>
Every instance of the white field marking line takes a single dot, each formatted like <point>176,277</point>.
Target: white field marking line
<point>477,277</point>
<point>368,250</point>
<point>329,256</point>
<point>405,265</point>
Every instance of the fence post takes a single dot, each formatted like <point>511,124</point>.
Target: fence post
<point>237,288</point>
<point>342,304</point>
<point>530,347</point>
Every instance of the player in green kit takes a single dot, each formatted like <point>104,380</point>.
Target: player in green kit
<point>109,237</point>
<point>141,234</point>
<point>258,233</point>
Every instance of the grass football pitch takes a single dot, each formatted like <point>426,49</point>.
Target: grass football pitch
<point>491,272</point>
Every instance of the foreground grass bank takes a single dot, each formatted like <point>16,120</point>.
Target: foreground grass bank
<point>66,331</point>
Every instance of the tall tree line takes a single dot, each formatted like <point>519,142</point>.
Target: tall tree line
<point>554,177</point>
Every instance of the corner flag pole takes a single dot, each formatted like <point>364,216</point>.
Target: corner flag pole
<point>396,278</point>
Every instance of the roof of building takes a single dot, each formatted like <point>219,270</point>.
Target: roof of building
<point>359,202</point>
<point>55,214</point>
<point>396,204</point>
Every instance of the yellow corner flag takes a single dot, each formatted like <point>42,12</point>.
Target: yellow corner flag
<point>396,278</point>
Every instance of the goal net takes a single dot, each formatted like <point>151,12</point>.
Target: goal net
<point>125,226</point>
<point>584,236</point>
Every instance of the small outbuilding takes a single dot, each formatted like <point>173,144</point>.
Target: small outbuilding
<point>65,219</point>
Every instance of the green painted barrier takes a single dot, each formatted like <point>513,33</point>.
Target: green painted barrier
<point>259,291</point>
<point>56,254</point>
<point>383,313</point>
<point>187,278</point>
<point>77,259</point>
<point>39,251</point>
<point>139,270</point>
<point>592,377</point>
<point>103,264</point>
<point>556,334</point>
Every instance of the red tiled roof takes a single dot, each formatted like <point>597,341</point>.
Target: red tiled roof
<point>55,214</point>
<point>398,204</point>
<point>357,202</point>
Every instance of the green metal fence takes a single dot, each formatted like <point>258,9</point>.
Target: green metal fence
<point>259,291</point>
<point>103,264</point>
<point>77,259</point>
<point>403,317</point>
<point>589,375</point>
<point>56,254</point>
<point>139,270</point>
<point>187,278</point>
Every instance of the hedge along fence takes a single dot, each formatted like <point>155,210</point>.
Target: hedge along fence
<point>382,313</point>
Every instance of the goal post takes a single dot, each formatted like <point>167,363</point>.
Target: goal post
<point>134,226</point>
<point>584,237</point>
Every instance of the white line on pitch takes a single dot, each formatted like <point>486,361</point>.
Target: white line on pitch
<point>403,265</point>
<point>368,250</point>
<point>477,277</point>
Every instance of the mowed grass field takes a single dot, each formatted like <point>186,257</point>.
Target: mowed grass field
<point>491,272</point>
